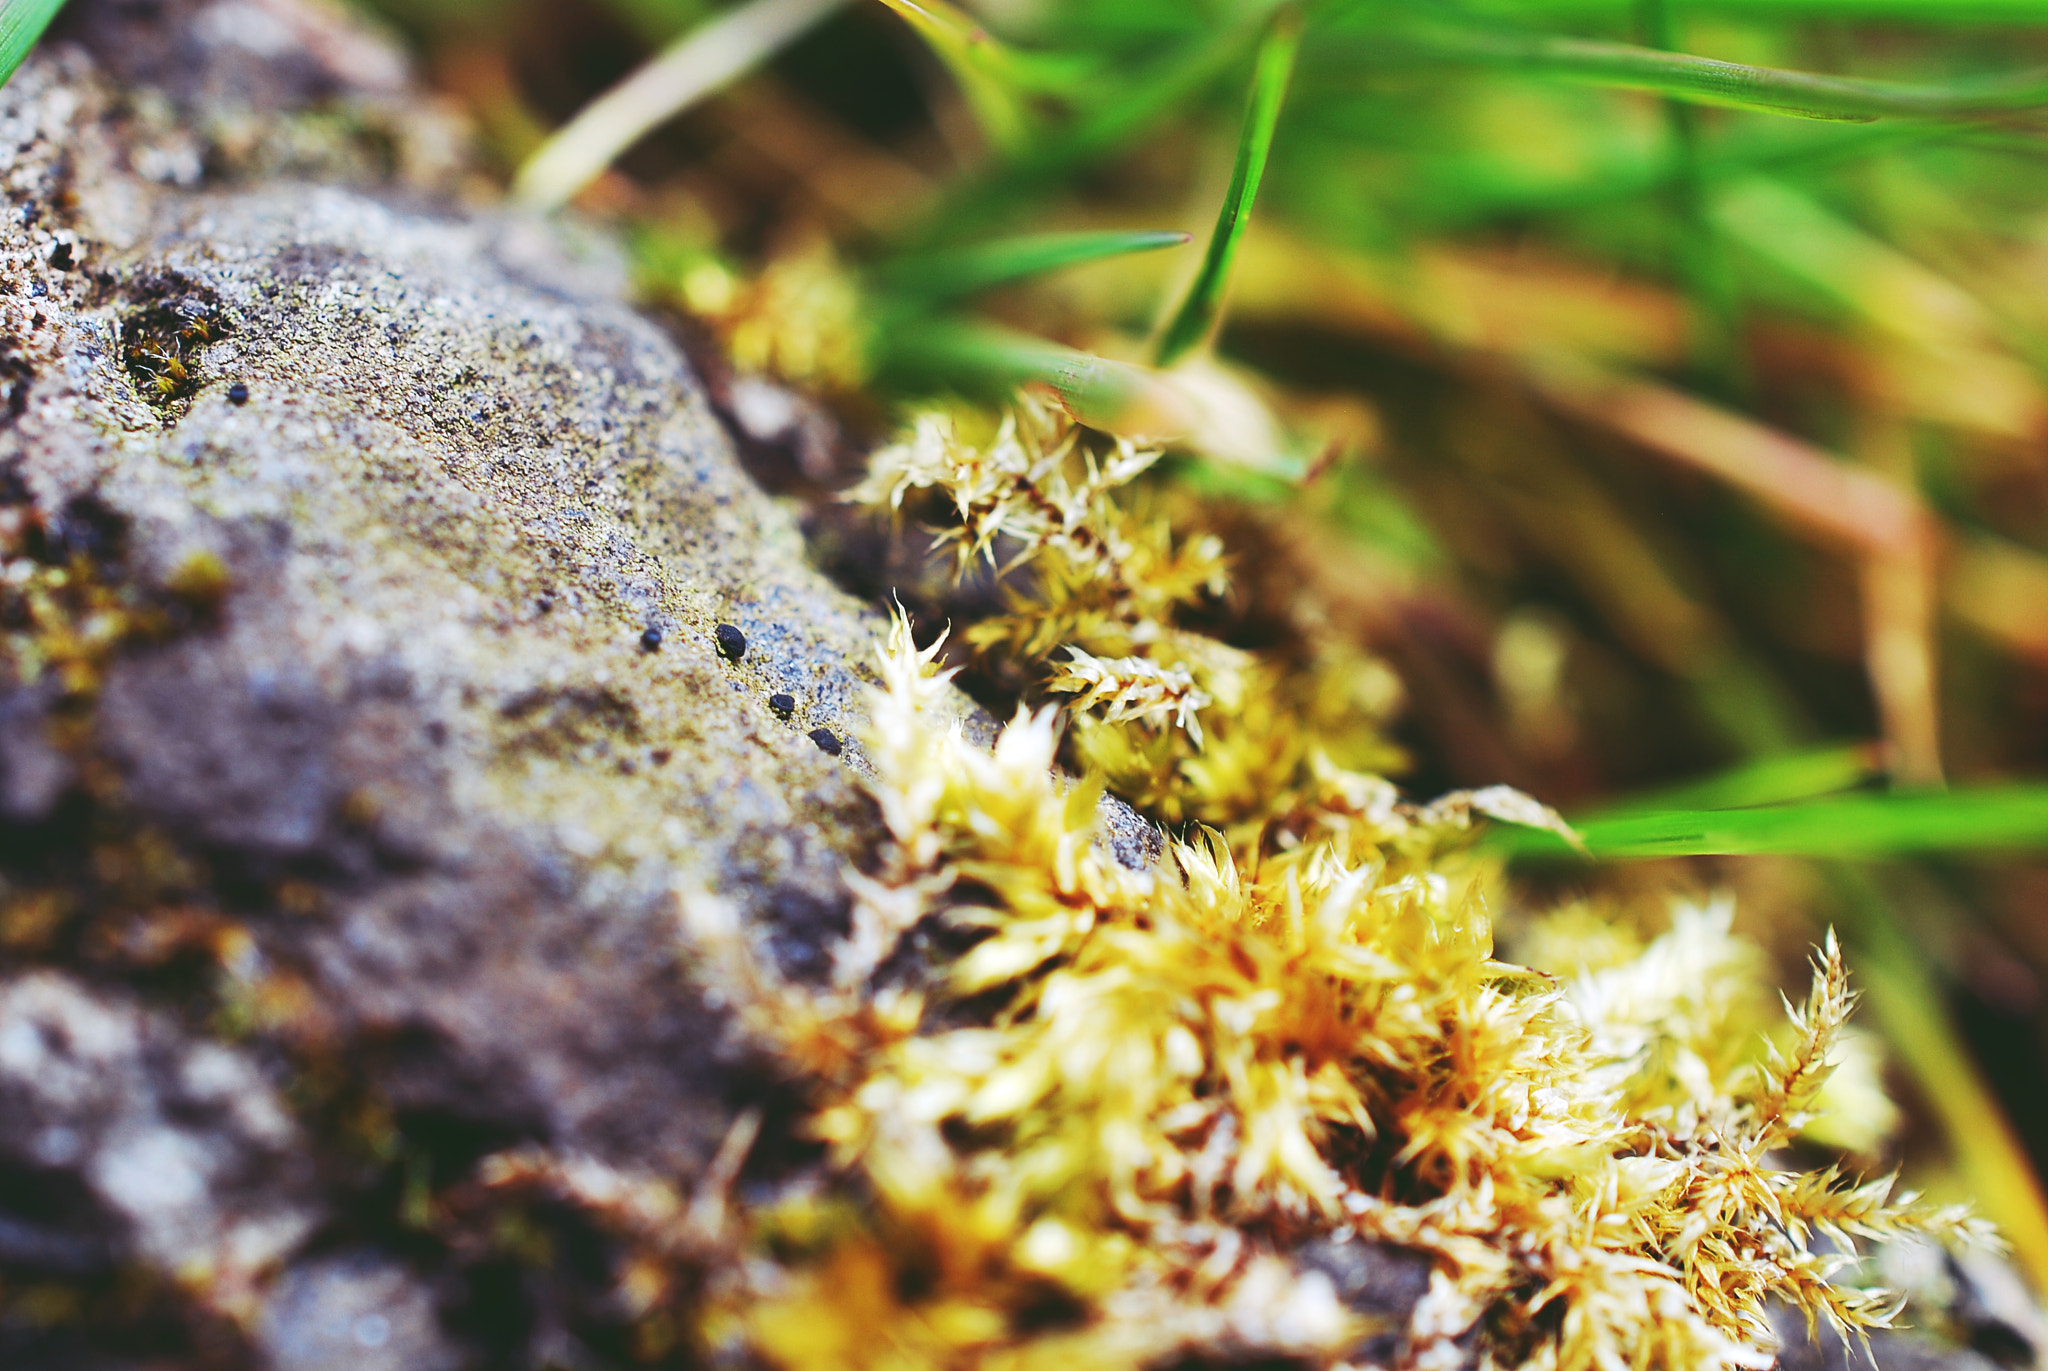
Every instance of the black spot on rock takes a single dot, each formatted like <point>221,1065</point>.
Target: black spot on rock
<point>650,641</point>
<point>782,704</point>
<point>238,394</point>
<point>60,257</point>
<point>827,741</point>
<point>731,642</point>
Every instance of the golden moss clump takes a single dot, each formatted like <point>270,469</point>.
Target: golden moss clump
<point>1101,1135</point>
<point>1190,1070</point>
<point>1184,726</point>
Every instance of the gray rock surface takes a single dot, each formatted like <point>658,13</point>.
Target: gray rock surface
<point>457,727</point>
<point>189,1150</point>
<point>358,1312</point>
<point>464,485</point>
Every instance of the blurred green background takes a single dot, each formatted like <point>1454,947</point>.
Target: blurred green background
<point>1652,431</point>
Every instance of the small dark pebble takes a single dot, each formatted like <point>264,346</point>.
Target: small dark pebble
<point>660,756</point>
<point>782,704</point>
<point>238,394</point>
<point>651,639</point>
<point>827,741</point>
<point>60,257</point>
<point>731,642</point>
<point>544,603</point>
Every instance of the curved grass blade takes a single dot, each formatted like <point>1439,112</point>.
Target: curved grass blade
<point>1769,781</point>
<point>1732,85</point>
<point>1992,818</point>
<point>1196,318</point>
<point>21,23</point>
<point>986,70</point>
<point>1911,1006</point>
<point>949,275</point>
<point>1919,12</point>
<point>1127,108</point>
<point>1116,397</point>
<point>690,68</point>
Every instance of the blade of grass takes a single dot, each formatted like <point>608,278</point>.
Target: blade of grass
<point>1702,259</point>
<point>985,68</point>
<point>1909,1005</point>
<point>1890,11</point>
<point>1199,310</point>
<point>1128,109</point>
<point>21,23</point>
<point>1991,818</point>
<point>1116,397</point>
<point>949,275</point>
<point>1768,781</point>
<point>1708,81</point>
<point>689,69</point>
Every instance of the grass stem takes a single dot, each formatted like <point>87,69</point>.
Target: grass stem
<point>21,23</point>
<point>689,69</point>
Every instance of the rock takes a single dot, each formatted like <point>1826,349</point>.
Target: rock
<point>462,487</point>
<point>182,1153</point>
<point>411,739</point>
<point>354,1313</point>
<point>34,774</point>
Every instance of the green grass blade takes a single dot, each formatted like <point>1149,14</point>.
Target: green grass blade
<point>949,275</point>
<point>1860,826</point>
<point>1198,312</point>
<point>1769,781</point>
<point>1910,1004</point>
<point>957,354</point>
<point>1732,85</point>
<point>982,359</point>
<point>1922,12</point>
<point>1125,110</point>
<point>21,23</point>
<point>984,67</point>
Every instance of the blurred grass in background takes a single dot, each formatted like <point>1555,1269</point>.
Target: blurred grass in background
<point>1654,419</point>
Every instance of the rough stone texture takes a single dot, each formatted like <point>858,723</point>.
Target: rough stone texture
<point>457,729</point>
<point>193,1161</point>
<point>464,484</point>
<point>359,1312</point>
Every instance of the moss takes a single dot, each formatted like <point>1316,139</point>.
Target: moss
<point>171,324</point>
<point>1134,1093</point>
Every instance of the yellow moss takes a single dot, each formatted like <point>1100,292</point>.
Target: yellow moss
<point>1093,1137</point>
<point>1193,1066</point>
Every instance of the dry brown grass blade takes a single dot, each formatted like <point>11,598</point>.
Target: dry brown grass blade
<point>1852,508</point>
<point>2001,590</point>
